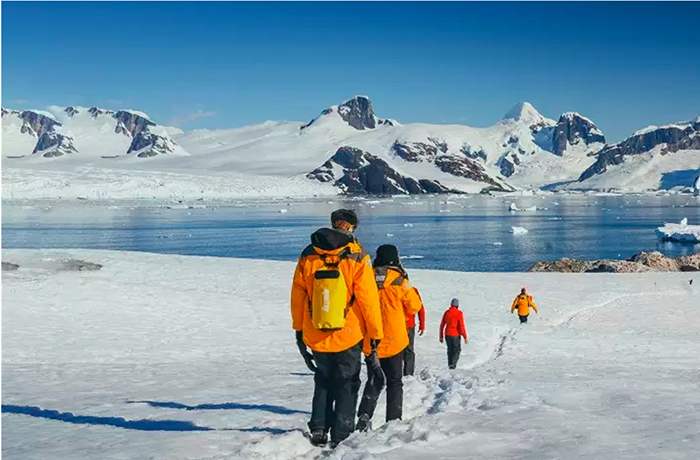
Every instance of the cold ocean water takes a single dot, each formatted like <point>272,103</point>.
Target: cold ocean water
<point>464,233</point>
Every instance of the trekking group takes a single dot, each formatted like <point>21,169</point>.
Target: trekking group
<point>345,305</point>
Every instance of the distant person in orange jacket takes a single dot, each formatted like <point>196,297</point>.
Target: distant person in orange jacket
<point>409,355</point>
<point>523,302</point>
<point>451,329</point>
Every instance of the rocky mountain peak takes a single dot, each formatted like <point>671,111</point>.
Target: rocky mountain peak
<point>71,111</point>
<point>131,123</point>
<point>36,122</point>
<point>572,129</point>
<point>96,112</point>
<point>356,112</point>
<point>5,111</point>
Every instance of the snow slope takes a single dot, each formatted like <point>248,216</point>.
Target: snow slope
<point>524,150</point>
<point>518,146</point>
<point>161,356</point>
<point>646,172</point>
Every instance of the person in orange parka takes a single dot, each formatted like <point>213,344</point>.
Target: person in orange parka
<point>523,302</point>
<point>409,354</point>
<point>336,353</point>
<point>397,300</point>
<point>451,329</point>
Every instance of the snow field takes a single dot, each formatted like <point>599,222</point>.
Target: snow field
<point>606,370</point>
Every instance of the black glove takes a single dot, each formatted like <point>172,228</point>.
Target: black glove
<point>374,344</point>
<point>308,357</point>
<point>374,370</point>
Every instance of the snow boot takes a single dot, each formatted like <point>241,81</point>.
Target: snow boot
<point>363,423</point>
<point>319,438</point>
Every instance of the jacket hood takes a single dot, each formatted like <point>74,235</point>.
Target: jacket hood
<point>329,239</point>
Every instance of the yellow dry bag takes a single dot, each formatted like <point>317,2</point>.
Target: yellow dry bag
<point>330,298</point>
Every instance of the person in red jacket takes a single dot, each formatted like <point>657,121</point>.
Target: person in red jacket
<point>409,354</point>
<point>451,329</point>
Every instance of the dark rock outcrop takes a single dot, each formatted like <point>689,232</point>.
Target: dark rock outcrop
<point>572,129</point>
<point>144,142</point>
<point>478,155</point>
<point>415,151</point>
<point>440,144</point>
<point>147,144</point>
<point>96,112</point>
<point>131,124</point>
<point>53,144</point>
<point>8,267</point>
<point>675,138</point>
<point>507,167</point>
<point>5,111</point>
<point>77,265</point>
<point>358,113</point>
<point>469,169</point>
<point>36,123</point>
<point>71,111</point>
<point>642,262</point>
<point>364,173</point>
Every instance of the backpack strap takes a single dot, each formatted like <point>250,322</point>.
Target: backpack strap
<point>380,277</point>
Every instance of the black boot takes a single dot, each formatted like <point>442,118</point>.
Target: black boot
<point>363,423</point>
<point>319,437</point>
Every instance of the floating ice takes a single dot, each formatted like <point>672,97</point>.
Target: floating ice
<point>679,232</point>
<point>518,230</point>
<point>284,211</point>
<point>497,243</point>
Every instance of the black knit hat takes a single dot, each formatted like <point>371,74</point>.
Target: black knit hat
<point>387,255</point>
<point>346,215</point>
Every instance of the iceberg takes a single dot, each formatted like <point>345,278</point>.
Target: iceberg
<point>679,232</point>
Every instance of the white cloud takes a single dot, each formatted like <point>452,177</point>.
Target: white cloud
<point>178,120</point>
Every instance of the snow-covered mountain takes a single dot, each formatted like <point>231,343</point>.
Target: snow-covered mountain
<point>656,157</point>
<point>348,148</point>
<point>63,131</point>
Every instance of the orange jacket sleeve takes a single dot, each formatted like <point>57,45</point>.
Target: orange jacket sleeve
<point>512,309</point>
<point>532,304</point>
<point>462,328</point>
<point>411,301</point>
<point>421,312</point>
<point>300,298</point>
<point>367,298</point>
<point>442,326</point>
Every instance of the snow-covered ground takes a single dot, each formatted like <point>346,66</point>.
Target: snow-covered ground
<point>200,350</point>
<point>97,183</point>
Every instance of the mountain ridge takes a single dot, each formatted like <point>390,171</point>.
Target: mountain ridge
<point>349,146</point>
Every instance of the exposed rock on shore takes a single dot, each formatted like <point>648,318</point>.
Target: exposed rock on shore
<point>642,262</point>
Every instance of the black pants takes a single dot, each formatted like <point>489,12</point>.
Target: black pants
<point>523,319</point>
<point>392,368</point>
<point>409,354</point>
<point>454,349</point>
<point>337,383</point>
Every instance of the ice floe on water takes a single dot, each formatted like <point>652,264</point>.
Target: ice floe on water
<point>681,232</point>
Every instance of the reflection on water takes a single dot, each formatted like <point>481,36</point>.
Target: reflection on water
<point>460,234</point>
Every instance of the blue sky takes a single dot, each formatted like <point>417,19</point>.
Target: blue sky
<point>625,65</point>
